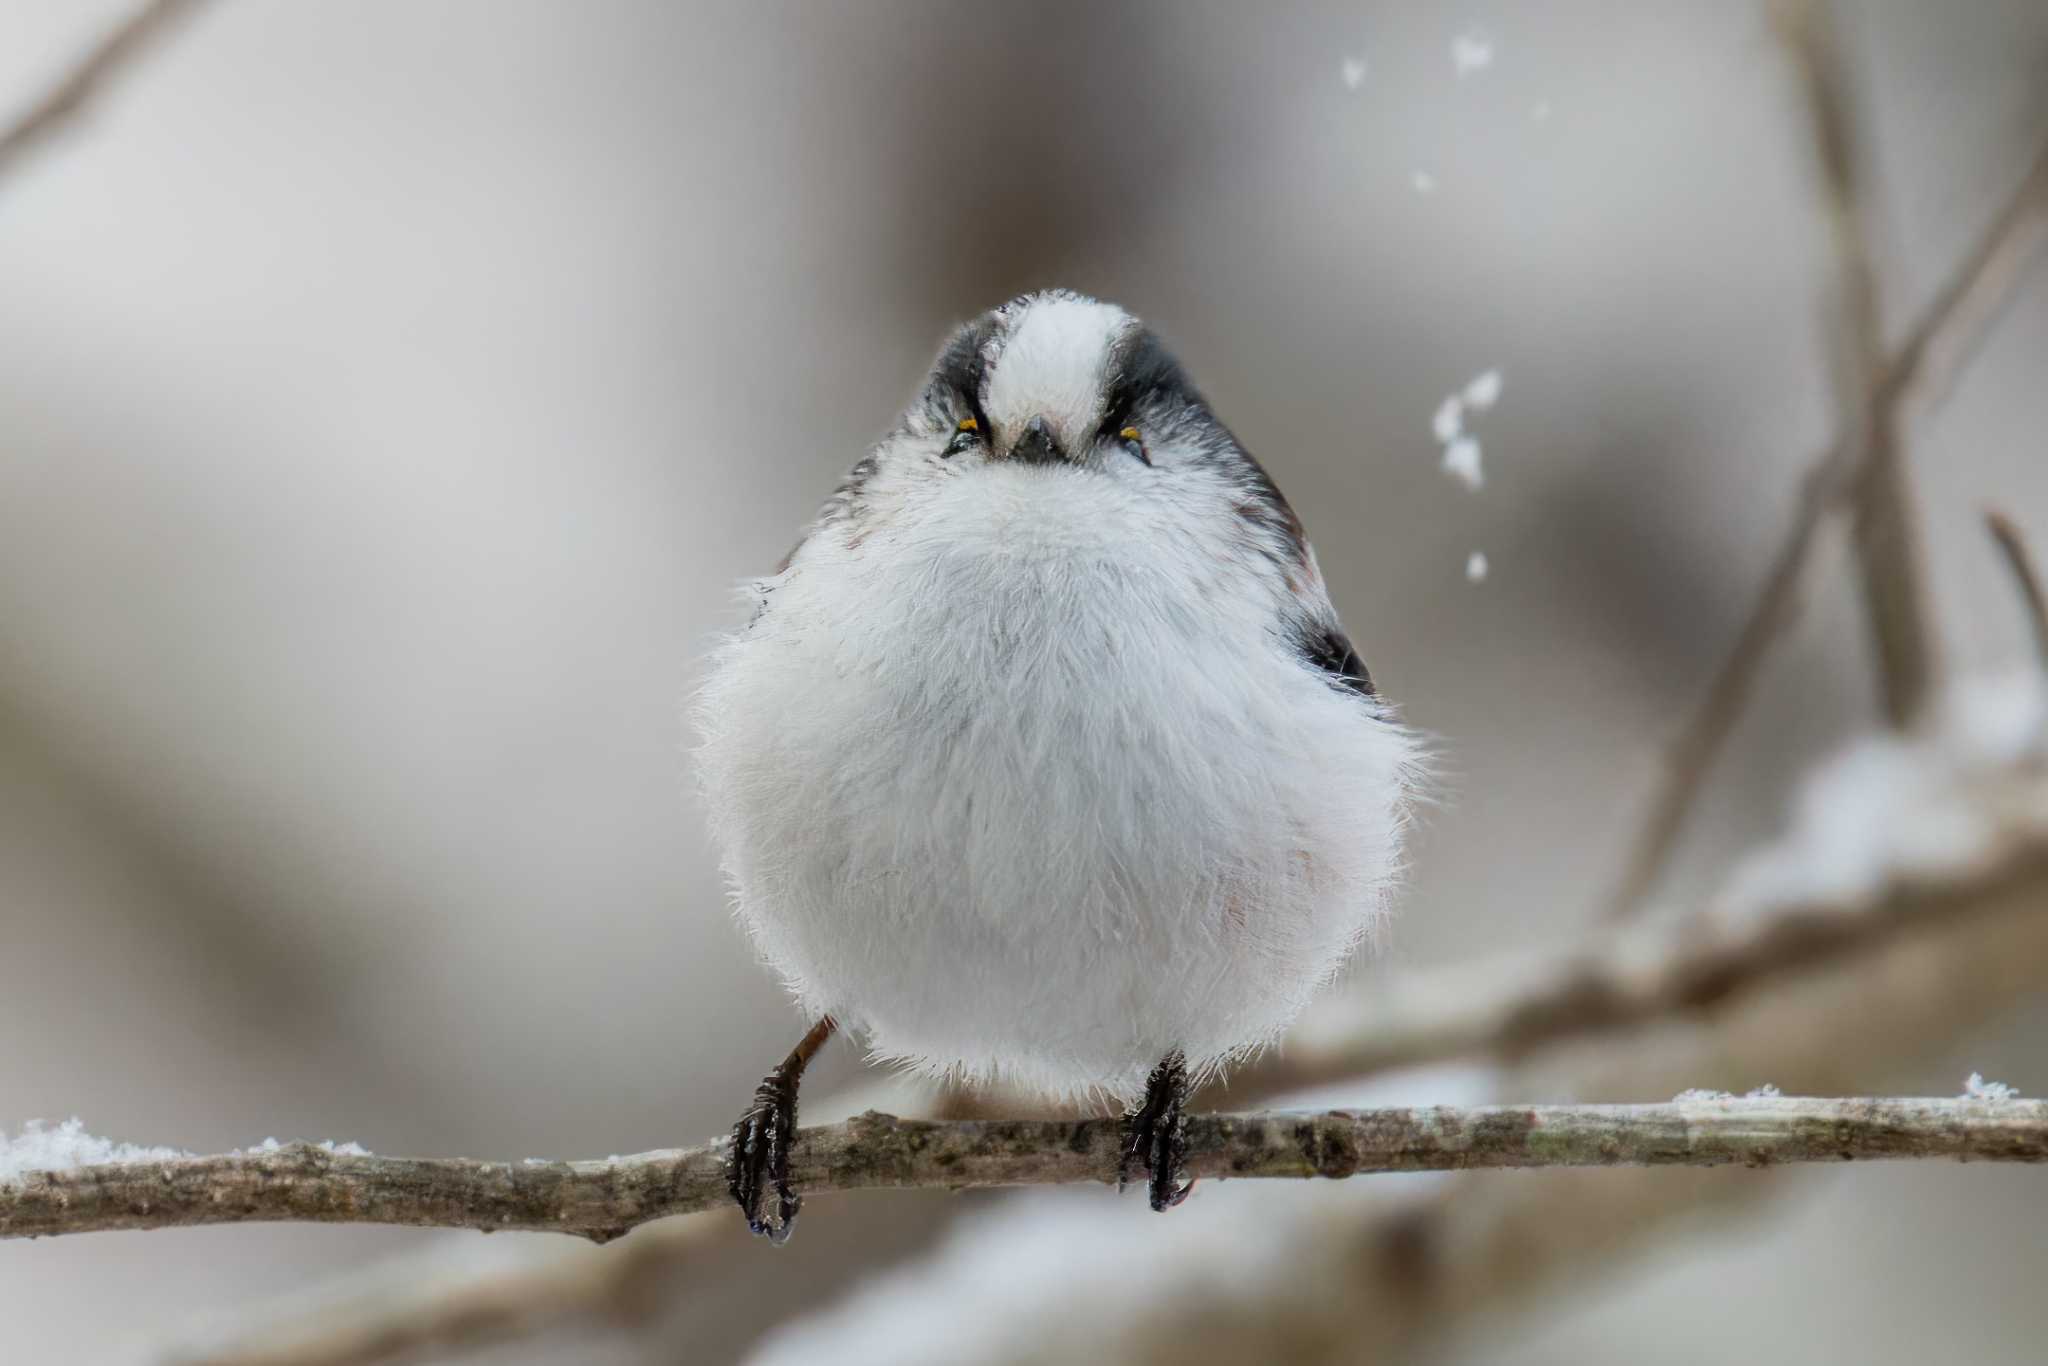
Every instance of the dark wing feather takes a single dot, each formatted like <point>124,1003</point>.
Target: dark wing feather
<point>1325,646</point>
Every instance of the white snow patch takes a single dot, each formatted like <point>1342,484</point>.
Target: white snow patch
<point>1482,391</point>
<point>39,1148</point>
<point>1471,52</point>
<point>1352,69</point>
<point>1423,181</point>
<point>1934,802</point>
<point>1976,1088</point>
<point>1475,567</point>
<point>1693,1095</point>
<point>1764,1092</point>
<point>1461,462</point>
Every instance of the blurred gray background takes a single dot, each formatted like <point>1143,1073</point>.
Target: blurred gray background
<point>392,393</point>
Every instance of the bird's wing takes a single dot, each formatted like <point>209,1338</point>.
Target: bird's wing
<point>1325,646</point>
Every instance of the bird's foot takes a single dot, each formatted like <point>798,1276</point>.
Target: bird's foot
<point>758,1166</point>
<point>1155,1135</point>
<point>759,1163</point>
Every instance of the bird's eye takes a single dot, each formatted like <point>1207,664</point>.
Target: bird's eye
<point>1134,442</point>
<point>965,435</point>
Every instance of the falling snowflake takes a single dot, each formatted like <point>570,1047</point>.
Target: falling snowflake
<point>1461,462</point>
<point>1461,458</point>
<point>1475,567</point>
<point>1449,421</point>
<point>1470,52</point>
<point>1353,72</point>
<point>1423,181</point>
<point>1483,391</point>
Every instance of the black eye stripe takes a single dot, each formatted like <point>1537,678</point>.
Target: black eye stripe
<point>961,369</point>
<point>1141,372</point>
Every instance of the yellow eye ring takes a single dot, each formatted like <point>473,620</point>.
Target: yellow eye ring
<point>1135,441</point>
<point>965,437</point>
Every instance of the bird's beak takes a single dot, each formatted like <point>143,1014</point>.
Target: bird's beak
<point>1037,445</point>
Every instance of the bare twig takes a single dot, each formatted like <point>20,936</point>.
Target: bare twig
<point>1887,536</point>
<point>604,1199</point>
<point>402,1309</point>
<point>2020,561</point>
<point>89,77</point>
<point>1918,375</point>
<point>1702,964</point>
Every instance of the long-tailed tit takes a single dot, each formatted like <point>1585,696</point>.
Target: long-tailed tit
<point>1044,758</point>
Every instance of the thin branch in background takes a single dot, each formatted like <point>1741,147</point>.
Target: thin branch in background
<point>399,1311</point>
<point>1622,980</point>
<point>605,1199</point>
<point>2020,561</point>
<point>90,76</point>
<point>1887,536</point>
<point>1918,376</point>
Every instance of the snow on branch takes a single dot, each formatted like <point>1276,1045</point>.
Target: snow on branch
<point>606,1198</point>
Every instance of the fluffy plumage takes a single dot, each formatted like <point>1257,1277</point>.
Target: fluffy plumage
<point>1035,769</point>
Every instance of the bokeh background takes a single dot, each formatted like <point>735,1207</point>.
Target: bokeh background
<point>391,394</point>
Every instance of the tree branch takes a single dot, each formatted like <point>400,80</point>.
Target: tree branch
<point>1917,376</point>
<point>1510,1010</point>
<point>2012,542</point>
<point>90,76</point>
<point>402,1309</point>
<point>1887,536</point>
<point>604,1199</point>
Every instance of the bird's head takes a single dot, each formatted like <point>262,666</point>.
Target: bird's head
<point>1057,379</point>
<point>1056,393</point>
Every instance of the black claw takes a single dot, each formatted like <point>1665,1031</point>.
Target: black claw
<point>1155,1135</point>
<point>760,1151</point>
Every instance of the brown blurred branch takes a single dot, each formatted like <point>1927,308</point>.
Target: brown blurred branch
<point>1887,535</point>
<point>2013,543</point>
<point>90,76</point>
<point>407,1310</point>
<point>1616,981</point>
<point>604,1199</point>
<point>1916,376</point>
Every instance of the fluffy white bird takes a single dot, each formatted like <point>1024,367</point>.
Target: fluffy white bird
<point>1044,758</point>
